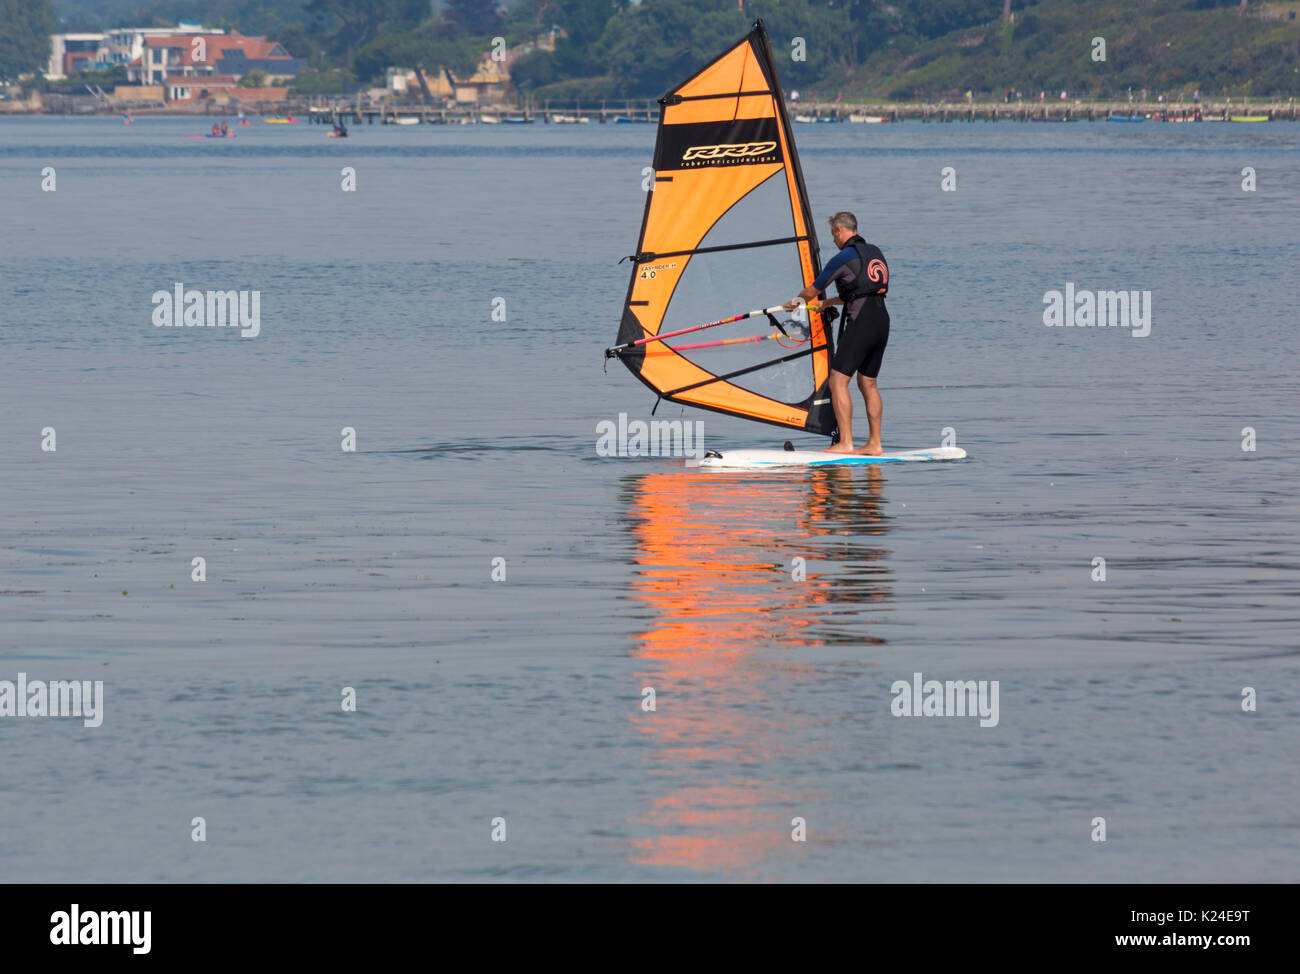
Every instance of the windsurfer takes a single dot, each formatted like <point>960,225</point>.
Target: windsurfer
<point>861,277</point>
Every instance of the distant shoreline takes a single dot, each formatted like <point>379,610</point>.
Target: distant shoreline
<point>322,111</point>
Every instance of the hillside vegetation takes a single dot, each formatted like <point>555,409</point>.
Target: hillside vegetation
<point>898,49</point>
<point>1167,47</point>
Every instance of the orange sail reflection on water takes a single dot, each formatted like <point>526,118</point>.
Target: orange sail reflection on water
<point>716,557</point>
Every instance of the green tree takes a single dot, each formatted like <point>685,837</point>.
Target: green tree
<point>532,70</point>
<point>362,21</point>
<point>254,79</point>
<point>654,46</point>
<point>834,42</point>
<point>473,18</point>
<point>25,29</point>
<point>414,49</point>
<point>934,18</point>
<point>577,52</point>
<point>312,81</point>
<point>530,20</point>
<point>300,41</point>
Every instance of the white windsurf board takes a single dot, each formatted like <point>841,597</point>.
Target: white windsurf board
<point>757,459</point>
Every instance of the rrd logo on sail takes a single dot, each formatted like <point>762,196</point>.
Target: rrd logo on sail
<point>741,150</point>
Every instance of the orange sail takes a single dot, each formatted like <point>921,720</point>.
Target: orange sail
<point>727,227</point>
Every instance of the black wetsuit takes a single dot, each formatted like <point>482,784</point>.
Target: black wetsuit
<point>861,277</point>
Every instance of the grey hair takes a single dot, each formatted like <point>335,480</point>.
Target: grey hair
<point>845,220</point>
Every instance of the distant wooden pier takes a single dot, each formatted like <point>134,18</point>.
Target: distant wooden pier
<point>617,112</point>
<point>575,113</point>
<point>1046,111</point>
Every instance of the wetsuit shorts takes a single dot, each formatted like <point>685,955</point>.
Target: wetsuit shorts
<point>861,345</point>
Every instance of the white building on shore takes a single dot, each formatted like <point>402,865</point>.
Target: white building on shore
<point>119,46</point>
<point>123,45</point>
<point>72,52</point>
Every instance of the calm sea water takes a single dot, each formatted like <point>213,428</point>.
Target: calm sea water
<point>522,698</point>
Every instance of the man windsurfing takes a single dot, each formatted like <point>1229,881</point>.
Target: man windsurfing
<point>861,277</point>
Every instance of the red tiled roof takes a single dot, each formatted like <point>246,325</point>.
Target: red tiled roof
<point>254,48</point>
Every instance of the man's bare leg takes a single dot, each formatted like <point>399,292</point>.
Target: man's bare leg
<point>842,403</point>
<point>875,414</point>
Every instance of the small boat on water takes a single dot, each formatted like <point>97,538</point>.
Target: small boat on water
<point>288,120</point>
<point>402,120</point>
<point>812,119</point>
<point>869,119</point>
<point>1247,118</point>
<point>516,120</point>
<point>1124,118</point>
<point>570,119</point>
